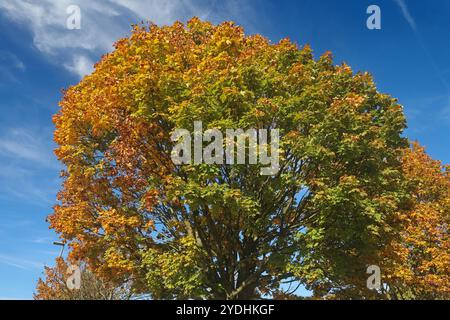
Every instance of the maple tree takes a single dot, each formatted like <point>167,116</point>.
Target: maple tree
<point>225,231</point>
<point>419,259</point>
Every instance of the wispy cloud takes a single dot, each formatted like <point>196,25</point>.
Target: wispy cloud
<point>20,263</point>
<point>412,23</point>
<point>406,14</point>
<point>19,143</point>
<point>104,22</point>
<point>445,111</point>
<point>28,168</point>
<point>42,240</point>
<point>10,59</point>
<point>10,67</point>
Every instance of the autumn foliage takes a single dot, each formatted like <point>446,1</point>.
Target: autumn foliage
<point>224,231</point>
<point>421,255</point>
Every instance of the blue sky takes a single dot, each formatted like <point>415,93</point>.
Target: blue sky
<point>39,56</point>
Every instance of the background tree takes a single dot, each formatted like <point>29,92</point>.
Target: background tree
<point>54,286</point>
<point>221,231</point>
<point>420,257</point>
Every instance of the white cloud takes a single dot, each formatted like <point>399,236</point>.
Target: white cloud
<point>81,65</point>
<point>163,12</point>
<point>406,14</point>
<point>47,21</point>
<point>104,22</point>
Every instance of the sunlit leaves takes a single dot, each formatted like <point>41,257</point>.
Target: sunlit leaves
<point>222,231</point>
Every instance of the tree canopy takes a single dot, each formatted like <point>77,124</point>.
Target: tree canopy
<point>225,231</point>
<point>420,257</point>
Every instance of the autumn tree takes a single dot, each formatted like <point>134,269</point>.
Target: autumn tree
<point>54,285</point>
<point>420,257</point>
<point>226,231</point>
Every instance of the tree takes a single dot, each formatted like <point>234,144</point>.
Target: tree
<point>225,231</point>
<point>420,257</point>
<point>54,286</point>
